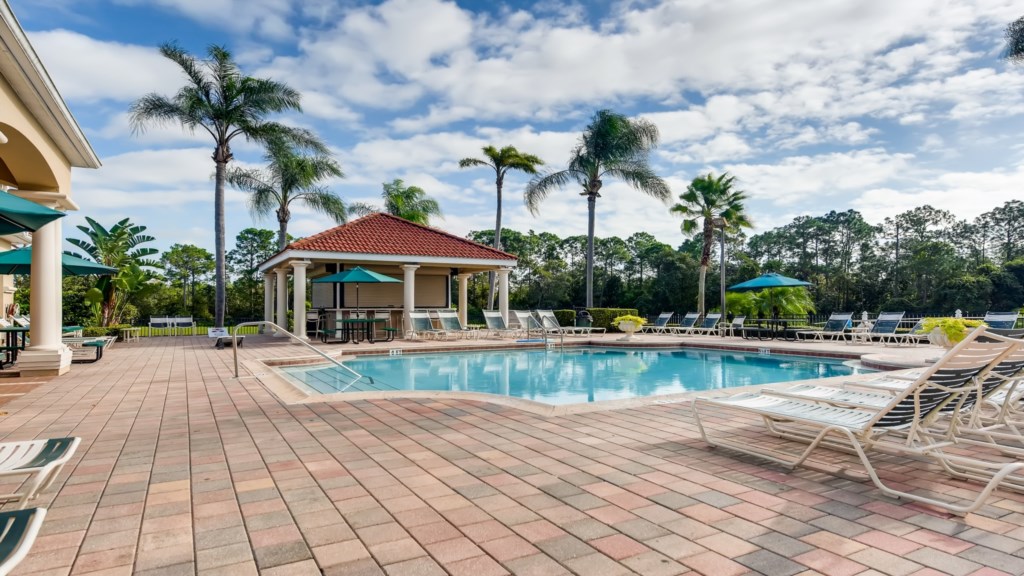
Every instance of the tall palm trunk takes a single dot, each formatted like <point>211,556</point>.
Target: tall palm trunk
<point>591,209</point>
<point>498,184</point>
<point>219,233</point>
<point>282,227</point>
<point>705,261</point>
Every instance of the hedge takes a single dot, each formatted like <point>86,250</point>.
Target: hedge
<point>603,316</point>
<point>566,317</point>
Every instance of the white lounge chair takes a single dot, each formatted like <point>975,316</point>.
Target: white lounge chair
<point>901,426</point>
<point>1001,320</point>
<point>452,326</point>
<point>422,327</point>
<point>884,329</point>
<point>685,324</point>
<point>834,328</point>
<point>550,323</point>
<point>708,326</point>
<point>19,529</point>
<point>660,325</point>
<point>497,327</point>
<point>40,460</point>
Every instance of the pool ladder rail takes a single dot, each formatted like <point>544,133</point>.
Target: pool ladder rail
<point>544,332</point>
<point>279,330</point>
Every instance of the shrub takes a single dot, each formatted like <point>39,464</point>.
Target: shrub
<point>566,317</point>
<point>603,317</point>
<point>955,329</point>
<point>94,331</point>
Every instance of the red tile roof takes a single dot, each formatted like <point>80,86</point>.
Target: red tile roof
<point>380,233</point>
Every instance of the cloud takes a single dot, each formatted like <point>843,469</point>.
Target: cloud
<point>798,179</point>
<point>966,194</point>
<point>89,70</point>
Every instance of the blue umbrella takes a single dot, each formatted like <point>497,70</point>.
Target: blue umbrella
<point>356,276</point>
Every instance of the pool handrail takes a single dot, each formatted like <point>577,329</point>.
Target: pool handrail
<point>279,330</point>
<point>544,332</point>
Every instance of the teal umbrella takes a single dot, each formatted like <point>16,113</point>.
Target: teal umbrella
<point>357,276</point>
<point>20,215</point>
<point>769,282</point>
<point>19,261</point>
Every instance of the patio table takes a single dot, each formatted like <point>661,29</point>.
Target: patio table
<point>12,344</point>
<point>356,329</point>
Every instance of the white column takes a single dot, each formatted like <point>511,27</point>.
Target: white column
<point>299,299</point>
<point>282,300</point>
<point>409,294</point>
<point>47,355</point>
<point>503,293</point>
<point>58,300</point>
<point>268,297</point>
<point>463,297</point>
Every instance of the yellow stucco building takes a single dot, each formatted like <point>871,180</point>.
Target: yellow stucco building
<point>41,142</point>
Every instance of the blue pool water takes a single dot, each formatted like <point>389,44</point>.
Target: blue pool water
<point>571,376</point>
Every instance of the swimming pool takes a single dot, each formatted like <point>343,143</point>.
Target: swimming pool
<point>570,376</point>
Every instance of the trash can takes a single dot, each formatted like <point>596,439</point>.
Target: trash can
<point>584,319</point>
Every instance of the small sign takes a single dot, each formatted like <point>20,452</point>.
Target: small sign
<point>217,332</point>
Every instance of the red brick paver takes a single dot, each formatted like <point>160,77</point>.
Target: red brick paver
<point>184,469</point>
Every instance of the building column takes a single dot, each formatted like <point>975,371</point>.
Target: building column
<point>58,301</point>
<point>464,298</point>
<point>282,301</point>
<point>268,297</point>
<point>409,293</point>
<point>299,299</point>
<point>47,355</point>
<point>503,293</point>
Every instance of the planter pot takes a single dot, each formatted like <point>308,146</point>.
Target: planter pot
<point>629,328</point>
<point>939,338</point>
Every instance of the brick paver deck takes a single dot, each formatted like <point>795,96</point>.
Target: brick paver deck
<point>185,470</point>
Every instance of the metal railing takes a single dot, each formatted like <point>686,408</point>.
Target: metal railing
<point>278,329</point>
<point>543,328</point>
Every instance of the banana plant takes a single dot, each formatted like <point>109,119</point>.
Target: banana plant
<point>117,247</point>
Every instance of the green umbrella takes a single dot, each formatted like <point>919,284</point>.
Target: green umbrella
<point>357,275</point>
<point>19,261</point>
<point>20,215</point>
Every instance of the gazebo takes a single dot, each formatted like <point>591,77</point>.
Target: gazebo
<point>424,258</point>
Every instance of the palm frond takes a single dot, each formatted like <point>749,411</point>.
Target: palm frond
<point>541,186</point>
<point>1014,51</point>
<point>327,203</point>
<point>360,209</point>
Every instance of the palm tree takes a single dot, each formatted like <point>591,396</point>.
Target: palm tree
<point>501,161</point>
<point>612,145</point>
<point>218,99</point>
<point>408,202</point>
<point>708,198</point>
<point>289,177</point>
<point>118,248</point>
<point>1014,51</point>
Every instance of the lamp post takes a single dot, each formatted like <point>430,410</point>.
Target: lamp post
<point>720,223</point>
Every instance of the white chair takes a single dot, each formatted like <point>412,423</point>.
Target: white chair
<point>19,529</point>
<point>160,323</point>
<point>40,460</point>
<point>901,426</point>
<point>183,323</point>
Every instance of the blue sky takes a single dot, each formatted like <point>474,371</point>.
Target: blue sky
<point>875,105</point>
